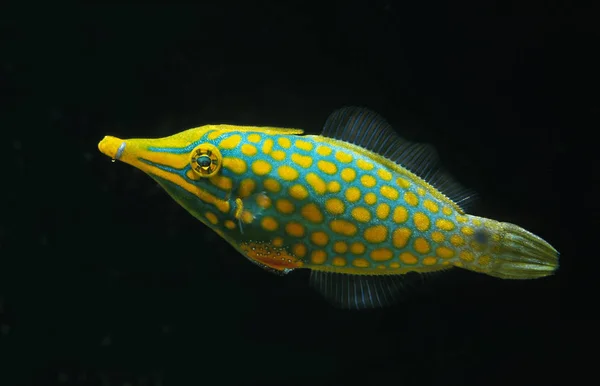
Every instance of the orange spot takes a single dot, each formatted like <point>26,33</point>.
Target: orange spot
<point>299,192</point>
<point>403,183</point>
<point>370,198</point>
<point>318,257</point>
<point>327,167</point>
<point>236,165</point>
<point>381,254</point>
<point>421,221</point>
<point>299,250</point>
<point>302,160</point>
<point>408,258</point>
<point>272,185</point>
<point>484,260</point>
<point>294,229</point>
<point>400,237</point>
<point>334,206</point>
<point>343,157</point>
<point>389,192</point>
<point>411,199</point>
<point>260,167</point>
<point>429,260</point>
<point>278,155</point>
<point>364,165</point>
<point>267,146</point>
<point>360,263</point>
<point>211,217</point>
<point>384,174</point>
<point>284,142</point>
<point>269,223</point>
<point>466,256</point>
<point>348,174</point>
<point>421,245</point>
<point>231,142</point>
<point>456,240</point>
<point>444,252</point>
<point>467,231</point>
<point>222,182</point>
<point>247,217</point>
<point>316,182</point>
<point>287,173</point>
<point>400,214</point>
<point>263,201</point>
<point>444,224</point>
<point>319,238</point>
<point>352,194</point>
<point>312,213</point>
<point>249,150</point>
<point>383,210</point>
<point>357,248</point>
<point>284,206</point>
<point>338,261</point>
<point>246,187</point>
<point>340,247</point>
<point>323,150</point>
<point>361,214</point>
<point>368,181</point>
<point>375,234</point>
<point>343,227</point>
<point>438,237</point>
<point>431,206</point>
<point>303,145</point>
<point>254,138</point>
<point>334,186</point>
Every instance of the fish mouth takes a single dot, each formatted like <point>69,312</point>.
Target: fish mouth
<point>112,147</point>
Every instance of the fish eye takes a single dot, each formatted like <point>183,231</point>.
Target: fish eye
<point>206,160</point>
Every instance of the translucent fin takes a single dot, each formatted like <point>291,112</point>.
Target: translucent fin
<point>364,128</point>
<point>522,255</point>
<point>250,209</point>
<point>360,292</point>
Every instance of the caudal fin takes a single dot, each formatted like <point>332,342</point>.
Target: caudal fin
<point>522,255</point>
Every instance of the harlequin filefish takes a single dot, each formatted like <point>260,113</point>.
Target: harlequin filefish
<point>359,206</point>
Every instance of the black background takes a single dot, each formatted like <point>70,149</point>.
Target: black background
<point>104,280</point>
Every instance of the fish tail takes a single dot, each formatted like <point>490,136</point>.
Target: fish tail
<point>522,255</point>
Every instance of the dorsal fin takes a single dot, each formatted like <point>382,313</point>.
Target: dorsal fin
<point>362,127</point>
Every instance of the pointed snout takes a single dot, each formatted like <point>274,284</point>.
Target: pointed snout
<point>112,147</point>
<point>147,154</point>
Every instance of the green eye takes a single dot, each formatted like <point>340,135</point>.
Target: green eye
<point>206,160</point>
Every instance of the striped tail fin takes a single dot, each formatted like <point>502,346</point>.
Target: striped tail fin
<point>522,255</point>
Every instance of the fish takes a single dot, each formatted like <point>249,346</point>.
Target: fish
<point>363,209</point>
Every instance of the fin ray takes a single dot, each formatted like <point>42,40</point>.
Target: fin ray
<point>357,292</point>
<point>362,127</point>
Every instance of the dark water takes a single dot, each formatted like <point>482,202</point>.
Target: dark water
<point>104,280</point>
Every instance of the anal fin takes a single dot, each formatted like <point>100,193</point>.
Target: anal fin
<point>359,292</point>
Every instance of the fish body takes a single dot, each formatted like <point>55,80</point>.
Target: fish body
<point>358,206</point>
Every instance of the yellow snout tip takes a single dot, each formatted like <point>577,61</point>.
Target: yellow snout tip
<point>112,146</point>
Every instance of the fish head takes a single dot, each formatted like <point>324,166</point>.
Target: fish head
<point>205,169</point>
<point>187,165</point>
